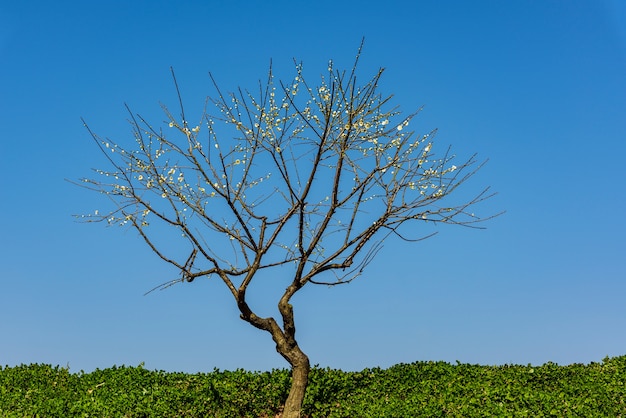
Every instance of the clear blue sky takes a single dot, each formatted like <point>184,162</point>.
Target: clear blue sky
<point>538,87</point>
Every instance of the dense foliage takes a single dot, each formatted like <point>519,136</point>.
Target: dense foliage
<point>423,389</point>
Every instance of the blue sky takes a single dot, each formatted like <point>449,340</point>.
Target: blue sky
<point>537,87</point>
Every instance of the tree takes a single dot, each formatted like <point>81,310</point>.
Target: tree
<point>296,179</point>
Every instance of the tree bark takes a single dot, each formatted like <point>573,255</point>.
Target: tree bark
<point>286,346</point>
<point>300,368</point>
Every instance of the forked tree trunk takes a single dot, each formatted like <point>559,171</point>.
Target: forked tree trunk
<point>300,368</point>
<point>286,346</point>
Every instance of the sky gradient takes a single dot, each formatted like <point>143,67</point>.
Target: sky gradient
<point>537,87</point>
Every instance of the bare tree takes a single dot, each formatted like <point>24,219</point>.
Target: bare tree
<point>304,179</point>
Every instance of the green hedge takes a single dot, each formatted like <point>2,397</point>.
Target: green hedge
<point>423,389</point>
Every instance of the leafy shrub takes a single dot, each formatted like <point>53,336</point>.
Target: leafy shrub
<point>422,389</point>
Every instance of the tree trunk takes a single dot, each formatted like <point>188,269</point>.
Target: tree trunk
<point>286,346</point>
<point>300,368</point>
